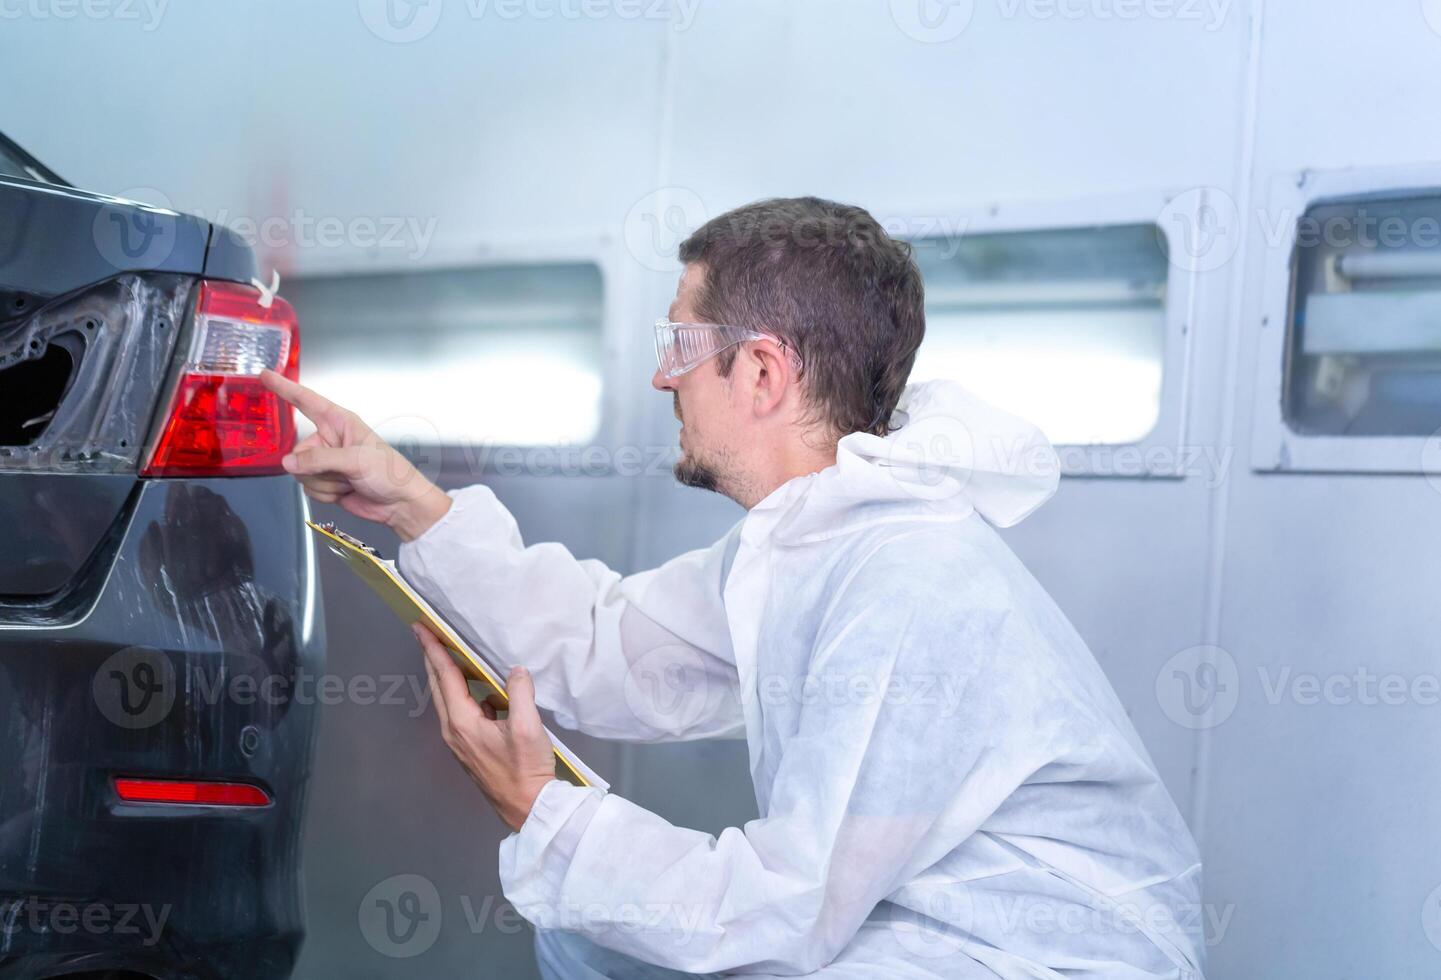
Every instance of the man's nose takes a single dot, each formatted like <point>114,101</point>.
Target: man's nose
<point>660,382</point>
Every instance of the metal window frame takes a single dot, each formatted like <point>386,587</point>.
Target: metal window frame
<point>599,251</point>
<point>1161,453</point>
<point>1275,446</point>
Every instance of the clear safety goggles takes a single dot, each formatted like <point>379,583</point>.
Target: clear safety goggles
<point>682,347</point>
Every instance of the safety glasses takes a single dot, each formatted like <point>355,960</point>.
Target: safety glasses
<point>682,347</point>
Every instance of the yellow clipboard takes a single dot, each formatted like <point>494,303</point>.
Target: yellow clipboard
<point>411,608</point>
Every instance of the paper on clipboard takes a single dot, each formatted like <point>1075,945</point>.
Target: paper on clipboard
<point>385,580</point>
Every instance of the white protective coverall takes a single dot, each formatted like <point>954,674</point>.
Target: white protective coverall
<point>948,785</point>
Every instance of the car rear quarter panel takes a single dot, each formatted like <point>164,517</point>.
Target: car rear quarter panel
<point>199,658</point>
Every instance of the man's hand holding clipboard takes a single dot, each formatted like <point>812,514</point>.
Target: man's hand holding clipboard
<point>344,462</point>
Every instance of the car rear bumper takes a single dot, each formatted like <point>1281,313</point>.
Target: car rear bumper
<point>195,660</point>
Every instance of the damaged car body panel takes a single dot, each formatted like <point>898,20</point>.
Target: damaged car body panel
<point>91,369</point>
<point>159,630</point>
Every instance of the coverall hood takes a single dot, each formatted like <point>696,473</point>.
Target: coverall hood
<point>948,452</point>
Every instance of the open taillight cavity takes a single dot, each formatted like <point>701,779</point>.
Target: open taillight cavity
<point>221,421</point>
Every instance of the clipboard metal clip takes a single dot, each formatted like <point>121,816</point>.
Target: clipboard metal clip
<point>329,528</point>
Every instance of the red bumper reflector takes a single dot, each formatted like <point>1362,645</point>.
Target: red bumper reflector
<point>190,793</point>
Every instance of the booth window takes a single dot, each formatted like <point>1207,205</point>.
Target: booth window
<point>507,355</point>
<point>1064,327</point>
<point>1364,354</point>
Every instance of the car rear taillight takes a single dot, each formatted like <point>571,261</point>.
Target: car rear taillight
<point>185,792</point>
<point>221,420</point>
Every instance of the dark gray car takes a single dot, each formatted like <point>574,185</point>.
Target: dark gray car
<point>158,597</point>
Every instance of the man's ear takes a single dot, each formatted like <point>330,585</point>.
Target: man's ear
<point>773,372</point>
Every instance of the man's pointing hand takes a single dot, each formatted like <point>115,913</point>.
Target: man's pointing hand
<point>344,462</point>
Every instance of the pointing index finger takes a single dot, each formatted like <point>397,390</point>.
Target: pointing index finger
<point>311,404</point>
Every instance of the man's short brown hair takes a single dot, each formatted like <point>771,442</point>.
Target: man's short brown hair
<point>828,280</point>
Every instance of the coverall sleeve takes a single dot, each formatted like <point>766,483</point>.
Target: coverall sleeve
<point>904,747</point>
<point>643,657</point>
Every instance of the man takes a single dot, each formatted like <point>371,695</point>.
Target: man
<point>948,786</point>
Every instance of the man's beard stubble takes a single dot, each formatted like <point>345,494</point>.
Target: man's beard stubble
<point>690,473</point>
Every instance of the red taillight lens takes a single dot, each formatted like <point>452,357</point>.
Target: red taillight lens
<point>190,793</point>
<point>222,421</point>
